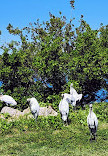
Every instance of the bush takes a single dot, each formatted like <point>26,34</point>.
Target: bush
<point>54,101</point>
<point>101,110</point>
<point>76,117</point>
<point>5,126</point>
<point>25,123</point>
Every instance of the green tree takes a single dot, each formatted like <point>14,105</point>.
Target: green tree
<point>87,62</point>
<point>53,42</point>
<point>104,45</point>
<point>104,36</point>
<point>16,72</point>
<point>43,59</point>
<point>57,54</point>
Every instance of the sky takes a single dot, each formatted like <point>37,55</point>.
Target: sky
<point>20,13</point>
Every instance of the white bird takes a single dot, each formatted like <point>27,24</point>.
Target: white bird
<point>34,106</point>
<point>8,100</point>
<point>75,95</point>
<point>64,109</point>
<point>92,122</point>
<point>69,98</point>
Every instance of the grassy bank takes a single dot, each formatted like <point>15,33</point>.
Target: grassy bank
<point>49,137</point>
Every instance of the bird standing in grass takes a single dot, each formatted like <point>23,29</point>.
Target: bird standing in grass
<point>34,107</point>
<point>8,100</point>
<point>92,122</point>
<point>64,110</point>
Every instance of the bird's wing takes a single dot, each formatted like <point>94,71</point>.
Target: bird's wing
<point>79,97</point>
<point>7,98</point>
<point>60,105</point>
<point>35,108</point>
<point>73,91</point>
<point>88,119</point>
<point>63,106</point>
<point>95,121</point>
<point>92,121</point>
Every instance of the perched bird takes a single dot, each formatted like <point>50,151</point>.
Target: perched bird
<point>8,100</point>
<point>64,110</point>
<point>76,96</point>
<point>34,107</point>
<point>92,122</point>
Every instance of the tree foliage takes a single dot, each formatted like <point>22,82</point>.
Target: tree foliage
<point>89,58</point>
<point>50,56</point>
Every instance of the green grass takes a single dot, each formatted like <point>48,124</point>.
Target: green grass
<point>27,138</point>
<point>71,140</point>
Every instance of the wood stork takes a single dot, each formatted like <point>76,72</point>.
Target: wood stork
<point>92,122</point>
<point>8,100</point>
<point>76,96</point>
<point>34,107</point>
<point>64,109</point>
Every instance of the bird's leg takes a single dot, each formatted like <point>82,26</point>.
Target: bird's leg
<point>94,138</point>
<point>83,106</point>
<point>90,136</point>
<point>74,108</point>
<point>33,115</point>
<point>36,116</point>
<point>67,122</point>
<point>63,122</point>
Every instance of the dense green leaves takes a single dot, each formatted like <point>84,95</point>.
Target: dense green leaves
<point>88,58</point>
<point>50,56</point>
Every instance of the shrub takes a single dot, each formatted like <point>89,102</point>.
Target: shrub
<point>5,126</point>
<point>54,101</point>
<point>76,117</point>
<point>101,110</point>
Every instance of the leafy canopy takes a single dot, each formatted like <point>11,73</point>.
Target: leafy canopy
<point>56,55</point>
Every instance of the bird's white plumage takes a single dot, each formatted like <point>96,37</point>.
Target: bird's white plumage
<point>8,100</point>
<point>34,106</point>
<point>76,96</point>
<point>72,90</point>
<point>92,121</point>
<point>64,109</point>
<point>69,98</point>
